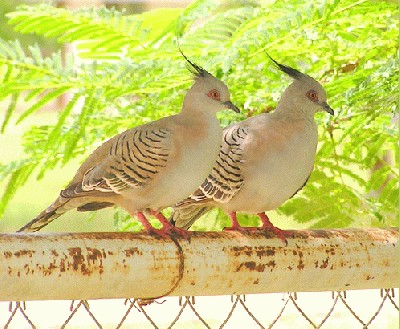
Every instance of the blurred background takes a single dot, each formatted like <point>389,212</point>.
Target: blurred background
<point>37,194</point>
<point>358,73</point>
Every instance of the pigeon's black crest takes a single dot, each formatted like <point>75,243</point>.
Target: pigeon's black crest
<point>197,70</point>
<point>287,69</point>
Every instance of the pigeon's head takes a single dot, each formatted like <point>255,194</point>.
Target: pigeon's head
<point>208,94</point>
<point>305,93</point>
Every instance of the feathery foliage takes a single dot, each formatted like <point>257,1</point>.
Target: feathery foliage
<point>126,70</point>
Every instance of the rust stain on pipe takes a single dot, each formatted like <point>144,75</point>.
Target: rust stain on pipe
<point>116,265</point>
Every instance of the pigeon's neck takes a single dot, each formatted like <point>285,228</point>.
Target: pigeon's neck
<point>198,116</point>
<point>293,109</point>
<point>197,109</point>
<point>206,124</point>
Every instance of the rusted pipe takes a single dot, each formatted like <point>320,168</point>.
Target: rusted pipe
<point>118,265</point>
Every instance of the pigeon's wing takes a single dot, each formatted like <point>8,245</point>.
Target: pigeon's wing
<point>226,178</point>
<point>130,160</point>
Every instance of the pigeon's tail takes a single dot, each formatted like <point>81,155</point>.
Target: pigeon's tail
<point>55,210</point>
<point>91,206</point>
<point>185,217</point>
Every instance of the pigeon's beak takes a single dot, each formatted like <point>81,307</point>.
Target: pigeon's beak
<point>230,105</point>
<point>327,108</point>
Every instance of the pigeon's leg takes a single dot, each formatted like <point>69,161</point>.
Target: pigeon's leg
<point>235,224</point>
<point>168,229</point>
<point>147,226</point>
<point>267,225</point>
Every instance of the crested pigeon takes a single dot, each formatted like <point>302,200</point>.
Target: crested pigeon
<point>264,160</point>
<point>153,166</point>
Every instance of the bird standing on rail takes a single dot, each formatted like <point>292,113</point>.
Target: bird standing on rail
<point>153,166</point>
<point>264,160</point>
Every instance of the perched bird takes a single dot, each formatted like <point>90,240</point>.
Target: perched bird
<point>264,160</point>
<point>153,166</point>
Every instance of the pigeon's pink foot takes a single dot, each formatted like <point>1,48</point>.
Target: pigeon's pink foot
<point>267,225</point>
<point>235,224</point>
<point>148,228</point>
<point>168,229</point>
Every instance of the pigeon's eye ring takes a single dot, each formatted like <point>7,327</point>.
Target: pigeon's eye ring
<point>312,95</point>
<point>214,94</point>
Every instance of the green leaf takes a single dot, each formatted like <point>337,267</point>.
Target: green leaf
<point>10,111</point>
<point>43,101</point>
<point>17,179</point>
<point>55,134</point>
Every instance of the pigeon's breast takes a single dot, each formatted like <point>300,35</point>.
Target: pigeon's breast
<point>192,161</point>
<point>276,167</point>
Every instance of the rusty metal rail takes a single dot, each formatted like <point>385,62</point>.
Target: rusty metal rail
<point>119,265</point>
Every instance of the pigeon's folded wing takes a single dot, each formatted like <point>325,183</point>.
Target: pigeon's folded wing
<point>133,160</point>
<point>226,178</point>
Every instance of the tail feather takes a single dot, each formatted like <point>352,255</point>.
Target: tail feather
<point>54,211</point>
<point>185,217</point>
<point>94,206</point>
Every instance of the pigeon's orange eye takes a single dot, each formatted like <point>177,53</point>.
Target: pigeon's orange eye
<point>214,94</point>
<point>312,95</point>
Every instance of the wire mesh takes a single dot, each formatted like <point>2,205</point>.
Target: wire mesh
<point>341,309</point>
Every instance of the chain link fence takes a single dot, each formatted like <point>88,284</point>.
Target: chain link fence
<point>341,309</point>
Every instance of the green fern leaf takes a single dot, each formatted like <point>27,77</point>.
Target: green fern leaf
<point>10,111</point>
<point>44,100</point>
